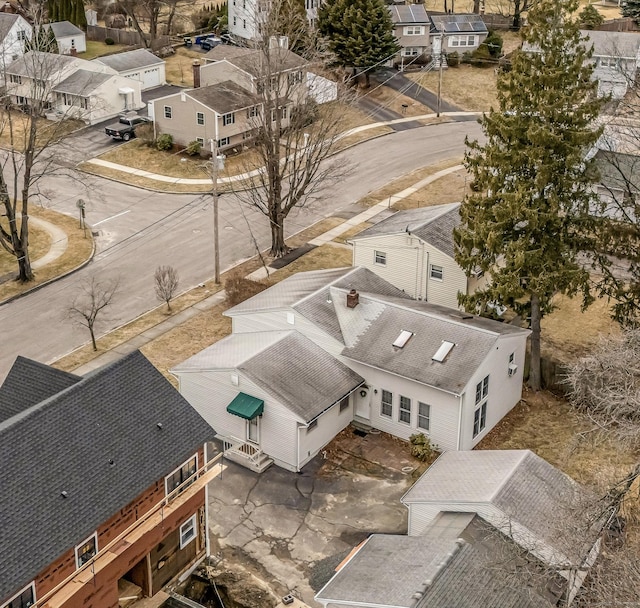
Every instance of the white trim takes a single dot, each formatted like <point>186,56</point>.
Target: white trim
<point>207,541</point>
<point>93,536</point>
<point>33,592</point>
<point>194,528</point>
<point>166,492</point>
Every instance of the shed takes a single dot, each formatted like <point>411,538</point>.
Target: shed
<point>68,37</point>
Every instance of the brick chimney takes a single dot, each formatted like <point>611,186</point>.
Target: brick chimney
<point>196,73</point>
<point>73,51</point>
<point>352,299</point>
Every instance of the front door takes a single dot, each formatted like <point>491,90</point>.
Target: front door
<point>253,431</point>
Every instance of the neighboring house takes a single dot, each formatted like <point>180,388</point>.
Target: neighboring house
<point>619,186</point>
<point>70,38</point>
<point>104,484</point>
<point>426,368</point>
<point>616,56</point>
<point>412,28</point>
<point>71,87</point>
<point>246,17</point>
<point>14,32</point>
<point>139,64</point>
<point>471,515</point>
<point>414,250</point>
<point>226,103</point>
<point>456,33</point>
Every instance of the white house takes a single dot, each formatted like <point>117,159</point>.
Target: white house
<point>414,250</point>
<point>14,32</point>
<point>73,87</point>
<point>419,367</point>
<point>139,64</point>
<point>472,515</point>
<point>69,37</point>
<point>245,18</point>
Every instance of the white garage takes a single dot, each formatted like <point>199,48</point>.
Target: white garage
<point>141,65</point>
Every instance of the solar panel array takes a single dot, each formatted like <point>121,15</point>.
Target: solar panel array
<point>459,23</point>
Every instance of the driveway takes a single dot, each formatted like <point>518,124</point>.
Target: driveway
<point>291,530</point>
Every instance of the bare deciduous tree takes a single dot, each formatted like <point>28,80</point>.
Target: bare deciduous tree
<point>166,283</point>
<point>93,297</point>
<point>294,136</point>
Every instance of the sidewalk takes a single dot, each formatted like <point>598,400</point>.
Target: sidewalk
<point>170,323</point>
<point>237,178</point>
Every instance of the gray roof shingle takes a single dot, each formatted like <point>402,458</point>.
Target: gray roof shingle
<point>38,62</point>
<point>65,443</point>
<point>433,225</point>
<point>250,60</point>
<point>130,60</point>
<point>625,45</point>
<point>62,29</point>
<point>6,23</point>
<point>82,82</point>
<point>314,380</point>
<point>223,97</point>
<point>29,382</point>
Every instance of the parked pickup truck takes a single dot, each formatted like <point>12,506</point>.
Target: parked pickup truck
<point>125,128</point>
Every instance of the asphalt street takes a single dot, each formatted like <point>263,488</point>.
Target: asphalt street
<point>140,230</point>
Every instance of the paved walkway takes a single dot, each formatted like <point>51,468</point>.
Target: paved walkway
<point>208,303</point>
<point>456,115</point>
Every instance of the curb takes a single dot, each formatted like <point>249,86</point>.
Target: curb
<point>54,279</point>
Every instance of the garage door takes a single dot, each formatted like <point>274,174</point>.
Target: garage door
<point>151,78</point>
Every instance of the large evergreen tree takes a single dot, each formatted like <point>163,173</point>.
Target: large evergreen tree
<point>631,8</point>
<point>359,33</point>
<point>67,10</point>
<point>528,218</point>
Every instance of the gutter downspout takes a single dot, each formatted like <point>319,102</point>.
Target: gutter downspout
<point>207,543</point>
<point>460,421</point>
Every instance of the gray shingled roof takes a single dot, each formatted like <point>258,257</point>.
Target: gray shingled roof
<point>613,44</point>
<point>61,29</point>
<point>433,225</point>
<point>425,571</point>
<point>250,60</point>
<point>82,82</point>
<point>29,382</point>
<point>224,97</point>
<point>524,487</point>
<point>130,60</point>
<point>41,63</point>
<point>66,442</point>
<point>312,382</point>
<point>408,13</point>
<point>457,23</point>
<point>6,23</point>
<point>372,343</point>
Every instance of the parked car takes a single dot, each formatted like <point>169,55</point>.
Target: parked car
<point>210,42</point>
<point>125,128</point>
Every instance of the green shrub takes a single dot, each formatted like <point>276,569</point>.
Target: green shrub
<point>164,142</point>
<point>453,59</point>
<point>590,18</point>
<point>194,147</point>
<point>109,41</point>
<point>421,447</point>
<point>494,43</point>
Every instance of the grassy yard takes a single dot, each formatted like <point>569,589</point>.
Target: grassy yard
<point>39,243</point>
<point>78,250</point>
<point>392,100</point>
<point>98,49</point>
<point>14,127</point>
<point>179,67</point>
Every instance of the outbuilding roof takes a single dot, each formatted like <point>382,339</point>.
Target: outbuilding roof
<point>62,29</point>
<point>433,225</point>
<point>296,372</point>
<point>102,440</point>
<point>130,60</point>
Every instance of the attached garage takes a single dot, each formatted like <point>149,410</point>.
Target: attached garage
<point>140,65</point>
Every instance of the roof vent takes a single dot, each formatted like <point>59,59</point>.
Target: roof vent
<point>64,494</point>
<point>460,314</point>
<point>443,351</point>
<point>111,461</point>
<point>159,425</point>
<point>403,338</point>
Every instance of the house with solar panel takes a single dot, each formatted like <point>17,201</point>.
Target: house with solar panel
<point>461,33</point>
<point>104,485</point>
<point>412,29</point>
<point>414,250</point>
<point>322,349</point>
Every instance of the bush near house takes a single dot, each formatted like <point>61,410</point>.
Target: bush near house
<point>164,142</point>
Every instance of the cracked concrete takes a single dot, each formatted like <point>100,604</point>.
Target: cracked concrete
<point>279,524</point>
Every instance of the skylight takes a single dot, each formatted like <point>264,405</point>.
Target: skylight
<point>443,351</point>
<point>403,338</point>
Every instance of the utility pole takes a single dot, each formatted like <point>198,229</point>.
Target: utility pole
<point>217,163</point>
<point>440,74</point>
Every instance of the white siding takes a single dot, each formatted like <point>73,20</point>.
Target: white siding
<point>504,391</point>
<point>443,430</point>
<point>78,42</point>
<point>408,267</point>
<point>215,73</point>
<point>12,46</point>
<point>422,514</point>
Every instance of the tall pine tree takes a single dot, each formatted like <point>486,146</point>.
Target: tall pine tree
<point>528,218</point>
<point>359,33</point>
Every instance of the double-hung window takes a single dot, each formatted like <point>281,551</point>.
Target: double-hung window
<point>181,474</point>
<point>228,119</point>
<point>386,407</point>
<point>188,531</point>
<point>414,30</point>
<point>200,118</point>
<point>437,272</point>
<point>404,413</point>
<point>380,257</point>
<point>168,113</point>
<point>424,415</point>
<point>480,411</point>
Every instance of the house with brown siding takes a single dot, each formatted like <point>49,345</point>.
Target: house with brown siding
<point>104,483</point>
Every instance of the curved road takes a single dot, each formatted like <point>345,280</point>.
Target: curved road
<point>139,230</point>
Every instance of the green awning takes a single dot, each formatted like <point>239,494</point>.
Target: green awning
<point>246,406</point>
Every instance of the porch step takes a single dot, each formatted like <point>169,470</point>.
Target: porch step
<point>262,463</point>
<point>361,425</point>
